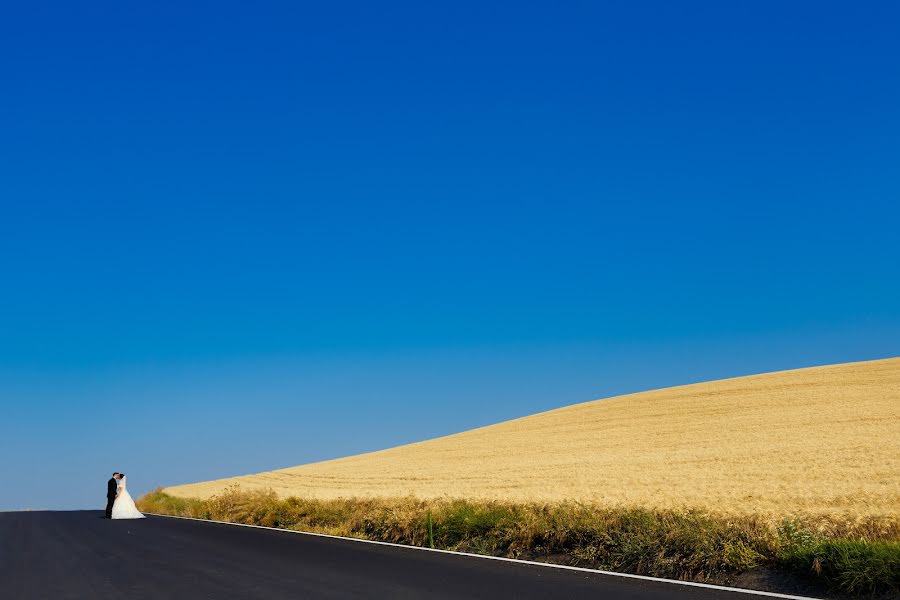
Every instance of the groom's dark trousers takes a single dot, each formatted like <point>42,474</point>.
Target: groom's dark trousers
<point>111,488</point>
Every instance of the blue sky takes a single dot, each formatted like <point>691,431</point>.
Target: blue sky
<point>240,237</point>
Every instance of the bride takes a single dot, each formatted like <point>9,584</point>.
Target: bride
<point>124,507</point>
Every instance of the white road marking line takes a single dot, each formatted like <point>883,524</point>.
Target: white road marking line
<point>710,586</point>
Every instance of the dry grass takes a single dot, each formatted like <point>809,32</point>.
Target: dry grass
<point>823,441</point>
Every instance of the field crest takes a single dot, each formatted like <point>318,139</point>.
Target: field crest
<point>818,441</point>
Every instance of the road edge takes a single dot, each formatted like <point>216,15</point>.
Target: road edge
<point>710,586</point>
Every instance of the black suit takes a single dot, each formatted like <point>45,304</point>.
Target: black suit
<point>112,486</point>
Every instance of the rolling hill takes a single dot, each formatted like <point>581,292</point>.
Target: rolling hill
<point>819,441</point>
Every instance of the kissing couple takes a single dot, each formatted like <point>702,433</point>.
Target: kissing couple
<point>119,504</point>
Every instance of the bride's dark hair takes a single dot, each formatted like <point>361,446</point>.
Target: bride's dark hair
<point>122,474</point>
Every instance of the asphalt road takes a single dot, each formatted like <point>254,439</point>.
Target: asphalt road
<point>58,555</point>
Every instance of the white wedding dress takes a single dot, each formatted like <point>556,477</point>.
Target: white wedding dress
<point>124,507</point>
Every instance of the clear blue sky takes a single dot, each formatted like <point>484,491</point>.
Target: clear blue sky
<point>237,237</point>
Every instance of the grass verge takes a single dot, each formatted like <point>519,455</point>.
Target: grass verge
<point>858,557</point>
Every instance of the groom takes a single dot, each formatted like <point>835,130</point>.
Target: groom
<point>112,486</point>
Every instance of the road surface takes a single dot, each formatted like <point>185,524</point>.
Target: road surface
<point>58,555</point>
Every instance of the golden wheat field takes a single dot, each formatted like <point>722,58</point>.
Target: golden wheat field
<point>816,441</point>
